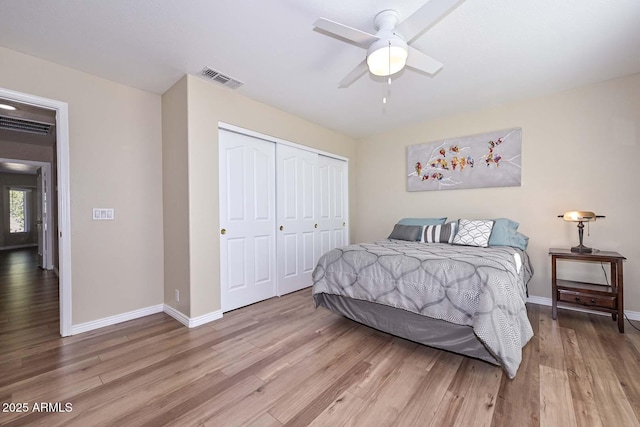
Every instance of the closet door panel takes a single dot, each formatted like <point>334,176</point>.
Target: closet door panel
<point>247,220</point>
<point>296,183</point>
<point>333,201</point>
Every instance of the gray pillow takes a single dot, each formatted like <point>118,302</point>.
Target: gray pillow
<point>422,222</point>
<point>406,232</point>
<point>443,233</point>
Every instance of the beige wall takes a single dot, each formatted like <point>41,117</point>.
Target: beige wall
<point>115,161</point>
<point>175,193</point>
<point>579,151</point>
<point>209,104</point>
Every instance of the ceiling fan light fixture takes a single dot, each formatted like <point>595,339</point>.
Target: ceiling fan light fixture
<point>387,57</point>
<point>8,107</point>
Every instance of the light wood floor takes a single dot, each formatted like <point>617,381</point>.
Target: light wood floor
<point>281,362</point>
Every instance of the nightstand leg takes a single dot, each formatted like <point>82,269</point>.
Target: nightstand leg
<point>619,285</point>
<point>554,289</point>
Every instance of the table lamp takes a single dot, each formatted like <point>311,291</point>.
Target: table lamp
<point>580,217</point>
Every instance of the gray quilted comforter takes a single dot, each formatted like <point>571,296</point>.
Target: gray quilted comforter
<point>484,288</point>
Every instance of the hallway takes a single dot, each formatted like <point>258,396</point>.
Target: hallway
<point>29,310</point>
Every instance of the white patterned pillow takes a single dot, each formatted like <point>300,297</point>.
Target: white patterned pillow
<point>473,232</point>
<point>441,233</point>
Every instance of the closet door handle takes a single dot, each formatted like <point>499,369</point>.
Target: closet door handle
<point>344,224</point>
<point>315,226</point>
<point>281,227</point>
<point>223,231</point>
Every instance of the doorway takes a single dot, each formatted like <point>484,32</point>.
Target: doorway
<point>58,184</point>
<point>27,208</point>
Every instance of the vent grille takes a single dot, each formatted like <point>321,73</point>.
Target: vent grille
<point>220,78</point>
<point>28,126</point>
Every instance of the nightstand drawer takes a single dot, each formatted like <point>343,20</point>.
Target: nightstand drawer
<point>576,297</point>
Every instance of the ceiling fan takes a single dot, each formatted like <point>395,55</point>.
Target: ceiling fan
<point>389,50</point>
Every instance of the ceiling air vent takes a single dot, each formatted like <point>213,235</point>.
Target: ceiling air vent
<point>220,78</point>
<point>28,126</point>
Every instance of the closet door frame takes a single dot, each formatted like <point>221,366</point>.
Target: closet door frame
<point>248,132</point>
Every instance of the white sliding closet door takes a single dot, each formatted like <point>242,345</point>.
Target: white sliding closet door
<point>247,220</point>
<point>297,212</point>
<point>332,191</point>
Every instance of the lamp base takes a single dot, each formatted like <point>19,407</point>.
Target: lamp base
<point>581,249</point>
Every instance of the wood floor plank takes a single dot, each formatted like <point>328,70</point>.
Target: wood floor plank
<point>327,396</point>
<point>339,411</point>
<point>612,403</point>
<point>555,398</point>
<point>550,340</point>
<point>478,406</point>
<point>383,364</point>
<point>623,356</point>
<point>350,366</point>
<point>265,420</point>
<point>524,412</point>
<point>424,403</point>
<point>584,405</point>
<point>388,402</point>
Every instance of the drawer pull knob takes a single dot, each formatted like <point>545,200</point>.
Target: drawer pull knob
<point>577,298</point>
<point>593,300</point>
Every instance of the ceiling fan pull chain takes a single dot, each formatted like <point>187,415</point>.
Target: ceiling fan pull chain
<point>387,88</point>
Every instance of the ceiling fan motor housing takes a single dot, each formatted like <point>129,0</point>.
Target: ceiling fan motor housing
<point>388,54</point>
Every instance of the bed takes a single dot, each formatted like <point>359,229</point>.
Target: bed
<point>464,299</point>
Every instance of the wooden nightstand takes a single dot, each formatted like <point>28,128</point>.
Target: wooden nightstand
<point>589,295</point>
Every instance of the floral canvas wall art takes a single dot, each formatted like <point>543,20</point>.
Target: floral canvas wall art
<point>479,161</point>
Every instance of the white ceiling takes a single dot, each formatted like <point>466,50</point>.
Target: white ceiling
<point>493,51</point>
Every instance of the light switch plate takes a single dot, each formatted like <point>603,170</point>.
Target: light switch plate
<point>103,214</point>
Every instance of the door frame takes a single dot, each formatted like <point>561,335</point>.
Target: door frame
<point>46,166</point>
<point>64,197</point>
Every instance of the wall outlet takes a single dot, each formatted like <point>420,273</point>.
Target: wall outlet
<point>177,295</point>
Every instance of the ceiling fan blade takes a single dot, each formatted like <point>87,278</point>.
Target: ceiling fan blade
<point>348,34</point>
<point>354,75</point>
<point>425,17</point>
<point>422,62</point>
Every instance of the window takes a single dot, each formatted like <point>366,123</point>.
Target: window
<point>18,210</point>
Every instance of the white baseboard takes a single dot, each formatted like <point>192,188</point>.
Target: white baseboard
<point>118,318</point>
<point>192,322</point>
<point>178,315</point>
<point>632,315</point>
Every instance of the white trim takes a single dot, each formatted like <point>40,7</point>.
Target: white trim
<point>632,315</point>
<point>248,132</point>
<point>118,318</point>
<point>178,315</point>
<point>192,322</point>
<point>55,270</point>
<point>205,318</point>
<point>347,202</point>
<point>8,248</point>
<point>540,301</point>
<point>64,197</point>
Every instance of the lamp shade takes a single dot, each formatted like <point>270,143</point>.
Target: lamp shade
<point>387,57</point>
<point>577,216</point>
